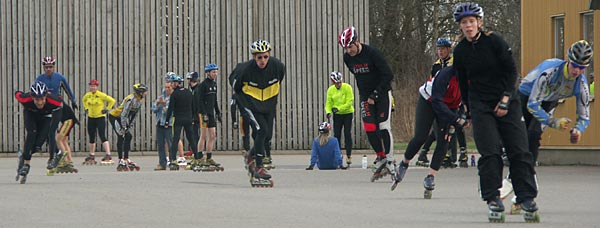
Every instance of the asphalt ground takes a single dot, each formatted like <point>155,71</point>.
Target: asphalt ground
<point>99,196</point>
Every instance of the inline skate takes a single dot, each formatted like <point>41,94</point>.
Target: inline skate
<point>386,167</point>
<point>530,211</point>
<point>122,166</point>
<point>90,160</point>
<point>463,160</point>
<point>422,160</point>
<point>107,160</point>
<point>66,167</point>
<point>496,210</point>
<point>399,174</point>
<point>260,178</point>
<point>132,165</point>
<point>22,178</point>
<point>268,163</point>
<point>429,186</point>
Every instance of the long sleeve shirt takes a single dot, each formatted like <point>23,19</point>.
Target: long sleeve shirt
<point>342,99</point>
<point>94,103</point>
<point>327,156</point>
<point>161,110</point>
<point>550,81</point>
<point>128,110</point>
<point>371,71</point>
<point>54,82</point>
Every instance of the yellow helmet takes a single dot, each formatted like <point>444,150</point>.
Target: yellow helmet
<point>140,88</point>
<point>260,46</point>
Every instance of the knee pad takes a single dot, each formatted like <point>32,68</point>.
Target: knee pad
<point>370,127</point>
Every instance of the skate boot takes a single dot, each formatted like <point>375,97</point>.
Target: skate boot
<point>182,162</point>
<point>377,163</point>
<point>23,173</point>
<point>531,214</point>
<point>260,178</point>
<point>90,160</point>
<point>382,170</point>
<point>268,163</point>
<point>188,155</point>
<point>213,165</point>
<point>66,167</point>
<point>195,165</point>
<point>58,158</point>
<point>249,163</point>
<point>447,163</point>
<point>496,210</point>
<point>422,160</point>
<point>122,166</point>
<point>399,174</point>
<point>348,161</point>
<point>107,160</point>
<point>173,166</point>
<point>20,163</point>
<point>132,165</point>
<point>463,160</point>
<point>429,185</point>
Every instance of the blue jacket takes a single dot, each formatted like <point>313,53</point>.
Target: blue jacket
<point>54,84</point>
<point>327,156</point>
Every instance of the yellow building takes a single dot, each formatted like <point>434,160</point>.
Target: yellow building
<point>548,28</point>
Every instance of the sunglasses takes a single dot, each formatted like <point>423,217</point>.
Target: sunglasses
<point>581,67</point>
<point>262,57</point>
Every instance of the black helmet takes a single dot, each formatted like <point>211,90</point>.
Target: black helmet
<point>581,53</point>
<point>39,89</point>
<point>140,88</point>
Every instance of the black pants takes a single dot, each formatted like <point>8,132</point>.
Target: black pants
<point>96,125</point>
<point>343,121</point>
<point>186,125</point>
<point>424,120</point>
<point>37,127</point>
<point>534,127</point>
<point>264,132</point>
<point>489,132</point>
<point>377,122</point>
<point>52,147</point>
<point>123,141</point>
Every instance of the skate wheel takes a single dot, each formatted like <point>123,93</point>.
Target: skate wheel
<point>531,217</point>
<point>515,209</point>
<point>427,194</point>
<point>137,168</point>
<point>23,179</point>
<point>496,217</point>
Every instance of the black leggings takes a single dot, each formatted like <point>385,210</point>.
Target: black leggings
<point>37,127</point>
<point>97,125</point>
<point>123,141</point>
<point>534,127</point>
<point>424,120</point>
<point>377,123</point>
<point>264,132</point>
<point>343,121</point>
<point>187,126</point>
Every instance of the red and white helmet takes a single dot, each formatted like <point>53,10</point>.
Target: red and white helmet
<point>48,60</point>
<point>94,82</point>
<point>348,36</point>
<point>335,76</point>
<point>324,127</point>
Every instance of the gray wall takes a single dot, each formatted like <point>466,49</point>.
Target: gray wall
<point>124,42</point>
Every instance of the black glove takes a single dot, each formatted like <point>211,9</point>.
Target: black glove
<point>75,107</point>
<point>104,111</point>
<point>219,117</point>
<point>503,105</point>
<point>328,115</point>
<point>205,118</point>
<point>309,168</point>
<point>374,95</point>
<point>235,125</point>
<point>334,110</point>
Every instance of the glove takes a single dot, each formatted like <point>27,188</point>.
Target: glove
<point>374,95</point>
<point>219,117</point>
<point>449,132</point>
<point>334,110</point>
<point>235,125</point>
<point>561,123</point>
<point>575,135</point>
<point>74,106</point>
<point>503,105</point>
<point>328,115</point>
<point>309,168</point>
<point>204,118</point>
<point>104,111</point>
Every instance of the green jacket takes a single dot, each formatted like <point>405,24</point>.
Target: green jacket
<point>342,99</point>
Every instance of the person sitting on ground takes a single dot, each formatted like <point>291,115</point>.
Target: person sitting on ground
<point>325,150</point>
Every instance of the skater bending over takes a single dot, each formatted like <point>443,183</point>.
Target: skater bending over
<point>96,105</point>
<point>122,119</point>
<point>62,140</point>
<point>487,76</point>
<point>373,78</point>
<point>257,87</point>
<point>40,111</point>
<point>325,150</point>
<point>439,101</point>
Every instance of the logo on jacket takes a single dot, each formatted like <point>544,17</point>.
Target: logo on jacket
<point>360,68</point>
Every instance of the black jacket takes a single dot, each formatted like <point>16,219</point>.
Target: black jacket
<point>371,71</point>
<point>180,105</point>
<point>207,98</point>
<point>258,89</point>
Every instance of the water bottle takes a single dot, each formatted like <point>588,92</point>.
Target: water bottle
<point>364,162</point>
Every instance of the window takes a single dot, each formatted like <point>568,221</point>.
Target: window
<point>558,30</point>
<point>588,34</point>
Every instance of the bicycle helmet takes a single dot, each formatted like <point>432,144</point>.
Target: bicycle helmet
<point>259,46</point>
<point>39,89</point>
<point>94,82</point>
<point>336,76</point>
<point>192,75</point>
<point>211,66</point>
<point>443,42</point>
<point>348,36</point>
<point>324,127</point>
<point>467,9</point>
<point>48,60</point>
<point>169,75</point>
<point>140,88</point>
<point>581,53</point>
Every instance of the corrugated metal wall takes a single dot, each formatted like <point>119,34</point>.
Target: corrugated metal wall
<point>536,45</point>
<point>124,42</point>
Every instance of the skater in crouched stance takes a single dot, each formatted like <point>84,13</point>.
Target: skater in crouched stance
<point>69,120</point>
<point>122,119</point>
<point>487,76</point>
<point>257,87</point>
<point>37,106</point>
<point>439,101</point>
<point>325,150</point>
